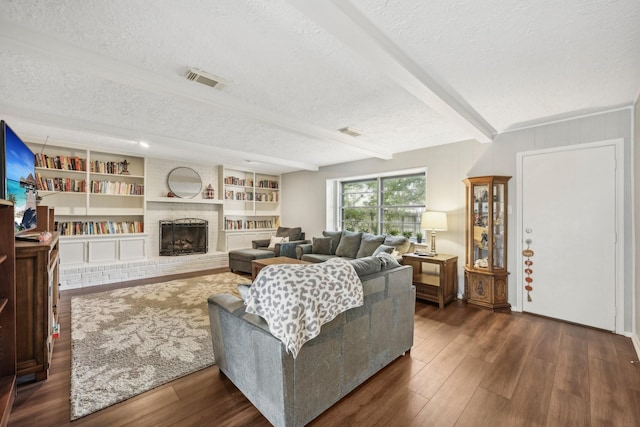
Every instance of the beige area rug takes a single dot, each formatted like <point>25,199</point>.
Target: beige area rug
<point>130,340</point>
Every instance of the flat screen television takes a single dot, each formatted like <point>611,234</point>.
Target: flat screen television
<point>17,172</point>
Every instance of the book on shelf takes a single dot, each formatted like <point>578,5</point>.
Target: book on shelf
<point>267,183</point>
<point>241,182</point>
<point>117,188</point>
<point>247,224</point>
<point>69,163</point>
<point>115,168</point>
<point>60,184</point>
<point>80,228</point>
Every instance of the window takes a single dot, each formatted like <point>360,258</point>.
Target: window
<point>383,205</point>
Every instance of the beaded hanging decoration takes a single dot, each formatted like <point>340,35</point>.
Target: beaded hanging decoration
<point>528,253</point>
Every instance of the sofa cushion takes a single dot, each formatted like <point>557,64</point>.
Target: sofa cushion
<point>366,265</point>
<point>349,244</point>
<point>368,244</point>
<point>335,239</point>
<point>401,243</point>
<point>321,245</point>
<point>383,248</point>
<point>292,233</point>
<point>387,261</point>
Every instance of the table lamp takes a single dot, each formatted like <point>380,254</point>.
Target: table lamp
<point>434,221</point>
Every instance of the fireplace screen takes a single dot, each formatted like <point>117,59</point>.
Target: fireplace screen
<point>184,236</point>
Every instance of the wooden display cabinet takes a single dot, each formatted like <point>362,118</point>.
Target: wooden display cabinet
<point>486,276</point>
<point>7,312</point>
<point>37,269</point>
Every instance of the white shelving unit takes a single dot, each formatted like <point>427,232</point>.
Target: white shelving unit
<point>251,206</point>
<point>99,202</point>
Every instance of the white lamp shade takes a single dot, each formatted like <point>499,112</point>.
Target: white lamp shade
<point>434,221</point>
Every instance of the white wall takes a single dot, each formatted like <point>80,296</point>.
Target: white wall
<point>304,193</point>
<point>304,201</point>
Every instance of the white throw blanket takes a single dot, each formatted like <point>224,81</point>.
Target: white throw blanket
<point>297,299</point>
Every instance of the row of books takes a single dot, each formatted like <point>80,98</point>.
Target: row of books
<point>249,196</point>
<point>121,188</point>
<point>60,162</point>
<point>115,168</point>
<point>234,180</point>
<point>246,224</point>
<point>267,183</point>
<point>78,228</point>
<point>60,184</point>
<point>238,195</point>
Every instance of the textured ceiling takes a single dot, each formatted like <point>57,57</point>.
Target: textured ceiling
<point>110,73</point>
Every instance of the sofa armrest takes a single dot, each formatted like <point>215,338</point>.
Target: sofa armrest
<point>288,249</point>
<point>235,306</point>
<point>303,249</point>
<point>260,244</point>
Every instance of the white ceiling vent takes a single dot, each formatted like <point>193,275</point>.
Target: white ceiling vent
<point>205,78</point>
<point>350,131</point>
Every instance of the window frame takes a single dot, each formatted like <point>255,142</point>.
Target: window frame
<point>380,207</point>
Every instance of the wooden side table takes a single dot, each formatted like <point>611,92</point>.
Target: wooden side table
<point>435,277</point>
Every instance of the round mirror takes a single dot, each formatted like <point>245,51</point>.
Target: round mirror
<point>184,182</point>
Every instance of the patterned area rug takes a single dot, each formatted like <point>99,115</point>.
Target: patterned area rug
<point>128,341</point>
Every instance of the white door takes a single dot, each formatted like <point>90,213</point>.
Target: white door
<point>569,215</point>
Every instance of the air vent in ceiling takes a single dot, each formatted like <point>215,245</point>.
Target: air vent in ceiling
<point>205,78</point>
<point>350,131</point>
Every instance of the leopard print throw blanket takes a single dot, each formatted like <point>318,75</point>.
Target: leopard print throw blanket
<point>297,299</point>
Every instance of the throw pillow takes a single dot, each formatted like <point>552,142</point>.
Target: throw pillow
<point>335,239</point>
<point>368,244</point>
<point>292,233</point>
<point>401,243</point>
<point>383,248</point>
<point>387,261</point>
<point>321,245</point>
<point>349,244</point>
<point>275,239</point>
<point>366,265</point>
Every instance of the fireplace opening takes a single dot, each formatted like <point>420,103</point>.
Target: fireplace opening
<point>183,236</point>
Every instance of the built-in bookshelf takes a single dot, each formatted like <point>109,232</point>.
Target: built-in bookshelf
<point>95,194</point>
<point>251,205</point>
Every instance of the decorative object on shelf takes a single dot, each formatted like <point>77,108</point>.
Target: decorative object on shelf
<point>125,167</point>
<point>184,182</point>
<point>528,253</point>
<point>434,221</point>
<point>170,194</point>
<point>209,192</point>
<point>419,237</point>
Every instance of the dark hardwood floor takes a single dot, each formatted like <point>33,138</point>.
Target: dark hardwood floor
<point>467,368</point>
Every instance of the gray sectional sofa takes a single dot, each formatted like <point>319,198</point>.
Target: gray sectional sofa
<point>351,348</point>
<point>350,245</point>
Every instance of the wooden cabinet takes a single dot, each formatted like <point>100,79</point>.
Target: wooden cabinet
<point>36,305</point>
<point>485,280</point>
<point>435,277</point>
<point>251,206</point>
<point>7,312</point>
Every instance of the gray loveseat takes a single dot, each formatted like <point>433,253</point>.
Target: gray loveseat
<point>349,350</point>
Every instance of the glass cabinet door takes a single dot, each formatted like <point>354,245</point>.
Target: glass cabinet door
<point>480,226</point>
<point>498,226</point>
